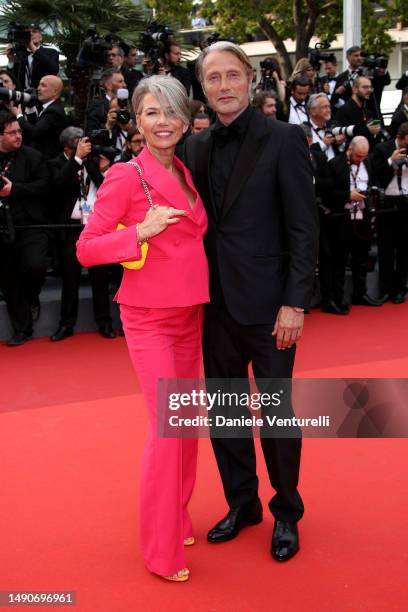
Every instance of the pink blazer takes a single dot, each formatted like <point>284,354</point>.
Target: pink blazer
<point>176,271</point>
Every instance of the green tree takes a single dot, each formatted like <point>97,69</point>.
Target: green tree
<point>176,13</point>
<point>299,20</point>
<point>65,24</point>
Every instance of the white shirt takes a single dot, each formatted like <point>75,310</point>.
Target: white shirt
<point>297,113</point>
<point>358,177</point>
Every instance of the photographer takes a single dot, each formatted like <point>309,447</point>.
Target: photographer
<point>389,162</point>
<point>319,110</point>
<point>170,55</point>
<point>134,144</point>
<point>300,90</point>
<point>28,60</point>
<point>400,115</point>
<point>129,70</point>
<point>265,102</point>
<point>349,229</point>
<point>7,81</point>
<point>42,130</point>
<point>354,118</point>
<point>24,186</point>
<point>115,57</point>
<point>271,79</point>
<point>331,75</point>
<point>119,121</point>
<point>76,175</point>
<point>343,88</point>
<point>111,80</point>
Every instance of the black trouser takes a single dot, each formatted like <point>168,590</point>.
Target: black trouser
<point>22,272</point>
<point>349,238</point>
<point>392,239</point>
<point>325,262</point>
<point>228,349</point>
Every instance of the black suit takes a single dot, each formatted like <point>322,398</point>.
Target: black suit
<point>132,78</point>
<point>392,227</point>
<point>347,236</point>
<point>402,82</point>
<point>23,263</point>
<point>351,114</point>
<point>66,192</point>
<point>97,114</point>
<point>400,116</point>
<point>42,131</point>
<point>262,250</point>
<point>45,62</point>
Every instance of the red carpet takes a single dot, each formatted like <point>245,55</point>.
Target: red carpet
<point>69,470</point>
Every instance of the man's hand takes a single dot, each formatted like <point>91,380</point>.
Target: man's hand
<point>329,139</point>
<point>399,154</point>
<point>356,196</point>
<point>7,187</point>
<point>340,138</point>
<point>340,90</point>
<point>288,327</point>
<point>111,119</point>
<point>16,110</point>
<point>84,148</point>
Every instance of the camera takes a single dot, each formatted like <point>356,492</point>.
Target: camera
<point>19,35</point>
<point>216,37</point>
<point>316,56</point>
<point>375,199</point>
<point>122,114</point>
<point>28,98</point>
<point>268,67</point>
<point>151,41</point>
<point>93,51</point>
<point>374,61</point>
<point>101,144</point>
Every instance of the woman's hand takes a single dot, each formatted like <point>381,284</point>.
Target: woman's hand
<point>157,219</point>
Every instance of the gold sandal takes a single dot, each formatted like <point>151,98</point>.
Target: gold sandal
<point>181,576</point>
<point>189,541</point>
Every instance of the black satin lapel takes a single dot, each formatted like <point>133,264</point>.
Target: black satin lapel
<point>203,173</point>
<point>247,158</point>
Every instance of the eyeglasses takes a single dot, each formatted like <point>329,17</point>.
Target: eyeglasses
<point>13,133</point>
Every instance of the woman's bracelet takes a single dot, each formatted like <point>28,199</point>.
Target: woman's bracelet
<point>139,241</point>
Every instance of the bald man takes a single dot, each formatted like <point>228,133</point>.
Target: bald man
<point>349,230</point>
<point>43,125</point>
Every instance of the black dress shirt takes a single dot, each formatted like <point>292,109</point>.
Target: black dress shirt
<point>226,142</point>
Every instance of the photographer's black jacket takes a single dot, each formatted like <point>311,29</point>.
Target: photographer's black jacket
<point>30,177</point>
<point>43,132</point>
<point>97,114</point>
<point>383,172</point>
<point>339,172</point>
<point>45,62</point>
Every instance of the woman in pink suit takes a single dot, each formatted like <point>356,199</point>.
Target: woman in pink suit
<point>160,304</point>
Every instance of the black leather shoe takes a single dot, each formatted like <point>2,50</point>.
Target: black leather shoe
<point>64,331</point>
<point>333,308</point>
<point>19,338</point>
<point>106,331</point>
<point>35,311</point>
<point>366,300</point>
<point>285,540</point>
<point>399,298</point>
<point>384,297</point>
<point>237,518</point>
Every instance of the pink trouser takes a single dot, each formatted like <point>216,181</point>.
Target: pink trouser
<point>164,343</point>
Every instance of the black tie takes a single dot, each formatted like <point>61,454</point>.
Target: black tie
<point>225,133</point>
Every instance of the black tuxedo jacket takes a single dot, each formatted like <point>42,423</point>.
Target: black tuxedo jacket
<point>400,116</point>
<point>66,191</point>
<point>43,132</point>
<point>262,244</point>
<point>383,172</point>
<point>31,182</point>
<point>323,184</point>
<point>97,113</point>
<point>45,61</point>
<point>339,171</point>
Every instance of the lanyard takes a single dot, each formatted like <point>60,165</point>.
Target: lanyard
<point>296,110</point>
<point>354,175</point>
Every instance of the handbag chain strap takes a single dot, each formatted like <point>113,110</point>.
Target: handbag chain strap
<point>145,187</point>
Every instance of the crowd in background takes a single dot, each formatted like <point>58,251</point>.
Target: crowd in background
<point>50,170</point>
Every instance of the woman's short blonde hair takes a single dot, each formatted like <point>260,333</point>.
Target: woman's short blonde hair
<point>169,92</point>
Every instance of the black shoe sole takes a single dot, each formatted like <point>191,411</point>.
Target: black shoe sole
<point>280,560</point>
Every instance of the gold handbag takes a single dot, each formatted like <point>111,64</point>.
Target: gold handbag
<point>144,246</point>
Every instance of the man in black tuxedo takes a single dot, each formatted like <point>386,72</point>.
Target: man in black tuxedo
<point>25,181</point>
<point>171,56</point>
<point>112,80</point>
<point>355,117</point>
<point>42,129</point>
<point>349,228</point>
<point>400,115</point>
<point>255,178</point>
<point>319,111</point>
<point>389,162</point>
<point>38,61</point>
<point>66,180</point>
